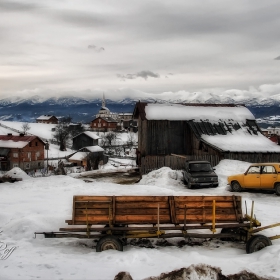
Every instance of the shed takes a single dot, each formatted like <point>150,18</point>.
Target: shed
<point>199,131</point>
<point>90,157</point>
<point>85,139</point>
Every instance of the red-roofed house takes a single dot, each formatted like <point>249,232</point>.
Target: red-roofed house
<point>104,124</point>
<point>25,152</point>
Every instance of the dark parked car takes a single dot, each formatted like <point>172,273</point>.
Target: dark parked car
<point>200,174</point>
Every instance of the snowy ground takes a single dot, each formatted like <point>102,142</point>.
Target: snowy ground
<point>43,204</point>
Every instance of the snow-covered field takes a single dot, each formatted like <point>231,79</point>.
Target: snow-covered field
<point>44,203</point>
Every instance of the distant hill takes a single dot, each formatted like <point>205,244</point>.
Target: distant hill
<point>266,111</point>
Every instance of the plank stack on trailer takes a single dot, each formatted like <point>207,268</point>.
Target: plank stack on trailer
<point>124,210</point>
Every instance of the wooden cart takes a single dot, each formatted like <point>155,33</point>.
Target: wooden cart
<point>112,219</point>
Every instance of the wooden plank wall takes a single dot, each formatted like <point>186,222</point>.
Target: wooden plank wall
<point>94,210</point>
<point>150,163</point>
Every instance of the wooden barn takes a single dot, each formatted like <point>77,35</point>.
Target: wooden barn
<point>84,139</point>
<point>168,134</point>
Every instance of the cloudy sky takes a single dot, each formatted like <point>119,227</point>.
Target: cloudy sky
<point>87,47</point>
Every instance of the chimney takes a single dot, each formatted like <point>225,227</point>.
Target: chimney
<point>21,134</point>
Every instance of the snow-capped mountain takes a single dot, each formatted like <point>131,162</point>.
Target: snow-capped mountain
<point>84,109</point>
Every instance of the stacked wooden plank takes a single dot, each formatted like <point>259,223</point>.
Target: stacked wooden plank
<point>122,210</point>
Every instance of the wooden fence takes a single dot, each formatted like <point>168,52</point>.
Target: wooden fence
<point>150,163</point>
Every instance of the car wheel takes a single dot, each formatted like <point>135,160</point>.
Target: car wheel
<point>277,189</point>
<point>235,187</point>
<point>188,185</point>
<point>256,243</point>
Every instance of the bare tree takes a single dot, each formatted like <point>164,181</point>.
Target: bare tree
<point>62,133</point>
<point>131,140</point>
<point>25,127</point>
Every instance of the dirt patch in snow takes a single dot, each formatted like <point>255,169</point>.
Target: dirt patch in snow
<point>197,272</point>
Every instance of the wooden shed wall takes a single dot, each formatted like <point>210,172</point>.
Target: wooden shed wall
<point>163,137</point>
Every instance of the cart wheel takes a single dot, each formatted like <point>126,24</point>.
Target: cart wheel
<point>109,242</point>
<point>235,187</point>
<point>277,189</point>
<point>229,230</point>
<point>256,243</point>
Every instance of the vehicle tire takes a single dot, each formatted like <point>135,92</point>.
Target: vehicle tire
<point>235,186</point>
<point>229,230</point>
<point>256,243</point>
<point>186,183</point>
<point>277,189</point>
<point>109,242</point>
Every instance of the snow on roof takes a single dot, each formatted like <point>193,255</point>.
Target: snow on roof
<point>45,117</point>
<point>241,141</point>
<point>104,108</point>
<point>91,134</point>
<point>12,144</point>
<point>79,156</point>
<point>175,112</point>
<point>95,148</point>
<point>14,141</point>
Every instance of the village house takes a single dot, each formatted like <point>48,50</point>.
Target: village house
<point>26,152</point>
<point>168,134</point>
<point>104,124</point>
<point>49,119</point>
<point>84,139</point>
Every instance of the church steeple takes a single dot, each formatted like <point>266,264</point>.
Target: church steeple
<point>103,101</point>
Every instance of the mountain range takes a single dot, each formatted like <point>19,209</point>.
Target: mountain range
<point>265,110</point>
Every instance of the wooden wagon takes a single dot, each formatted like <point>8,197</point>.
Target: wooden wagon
<point>113,219</point>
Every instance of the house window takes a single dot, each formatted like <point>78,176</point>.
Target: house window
<point>15,165</point>
<point>39,164</point>
<point>37,155</point>
<point>94,124</point>
<point>104,124</point>
<point>27,165</point>
<point>30,144</point>
<point>29,155</point>
<point>15,155</point>
<point>36,143</point>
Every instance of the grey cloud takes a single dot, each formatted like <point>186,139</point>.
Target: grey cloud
<point>95,48</point>
<point>16,6</point>
<point>142,74</point>
<point>277,58</point>
<point>83,19</point>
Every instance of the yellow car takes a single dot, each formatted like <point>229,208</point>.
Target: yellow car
<point>265,176</point>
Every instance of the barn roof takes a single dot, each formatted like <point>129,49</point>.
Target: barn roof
<point>93,149</point>
<point>90,134</point>
<point>83,152</point>
<point>176,112</point>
